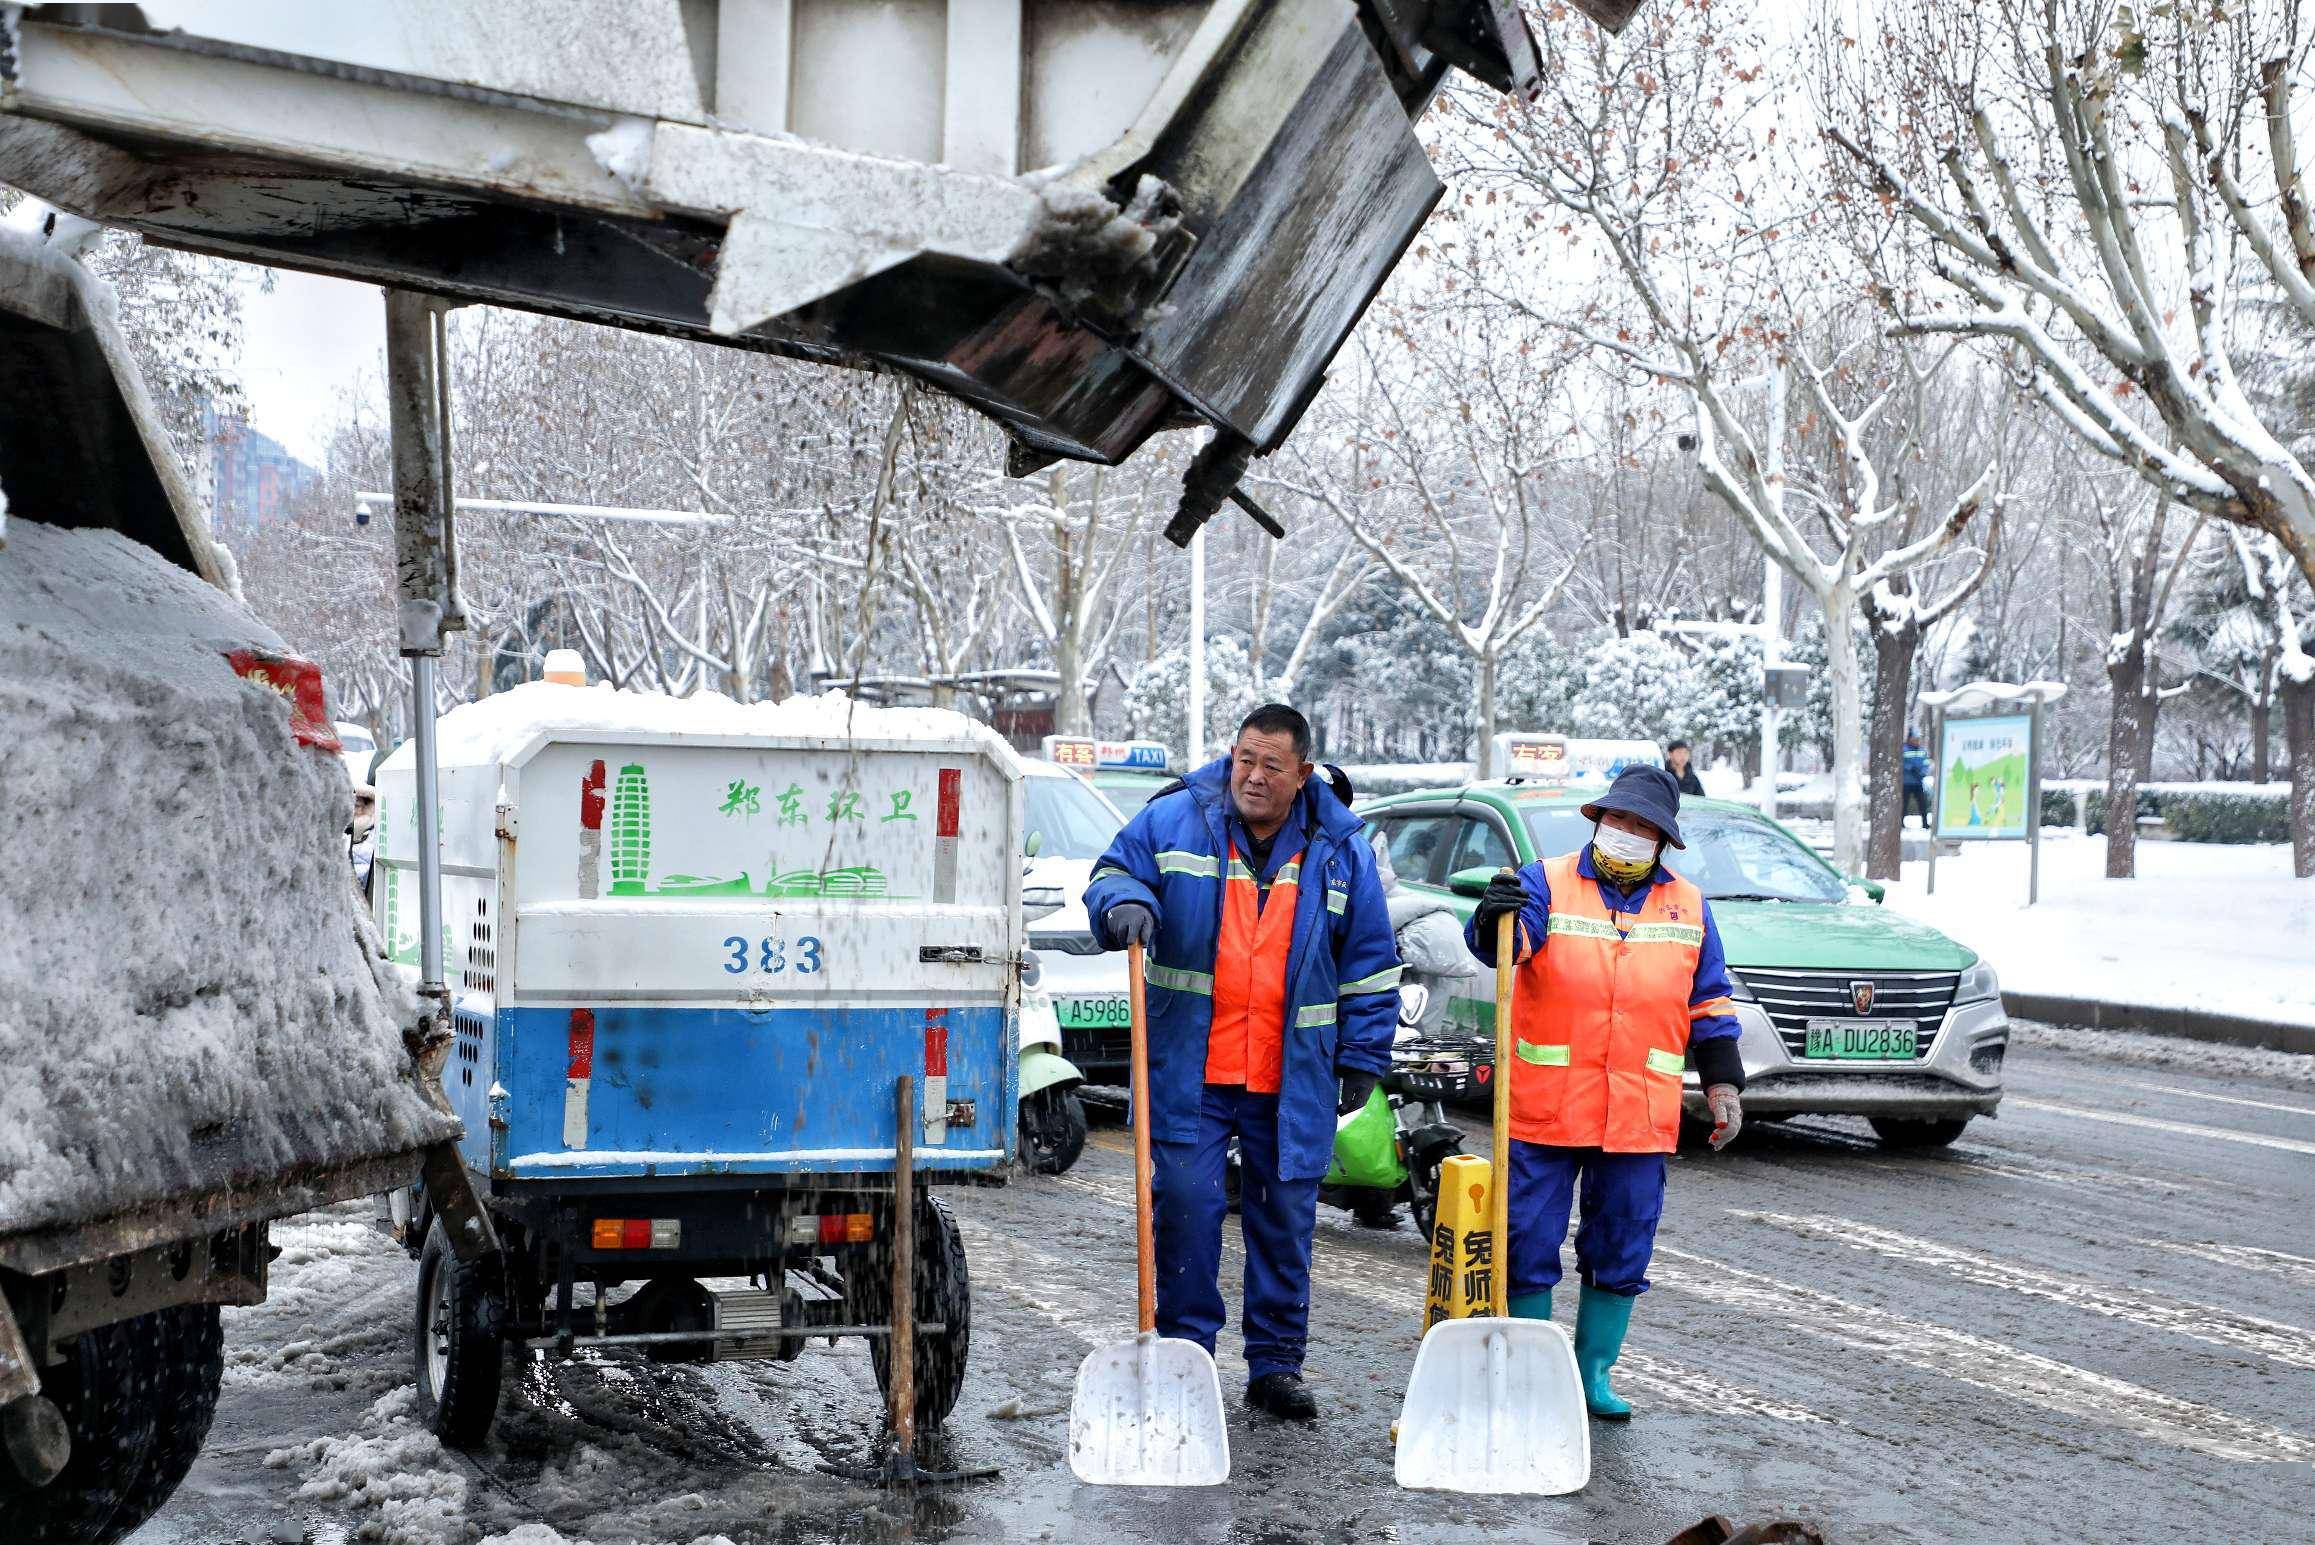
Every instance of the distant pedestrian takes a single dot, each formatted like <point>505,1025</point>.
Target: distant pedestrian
<point>1916,780</point>
<point>1678,763</point>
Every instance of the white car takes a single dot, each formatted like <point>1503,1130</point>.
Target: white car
<point>357,747</point>
<point>1071,824</point>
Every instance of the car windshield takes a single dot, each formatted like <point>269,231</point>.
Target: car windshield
<point>1071,821</point>
<point>1130,794</point>
<point>1730,855</point>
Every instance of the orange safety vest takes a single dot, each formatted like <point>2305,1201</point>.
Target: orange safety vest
<point>1601,1014</point>
<point>1246,1042</point>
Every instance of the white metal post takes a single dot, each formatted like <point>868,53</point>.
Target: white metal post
<point>1772,597</point>
<point>2034,802</point>
<point>1936,788</point>
<point>1197,748</point>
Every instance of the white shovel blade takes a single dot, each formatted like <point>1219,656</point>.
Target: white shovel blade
<point>1495,1407</point>
<point>1148,1412</point>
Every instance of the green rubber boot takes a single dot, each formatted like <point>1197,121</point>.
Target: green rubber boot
<point>1600,1322</point>
<point>1530,1306</point>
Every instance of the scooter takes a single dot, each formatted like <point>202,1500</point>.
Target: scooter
<point>1052,1129</point>
<point>1424,1073</point>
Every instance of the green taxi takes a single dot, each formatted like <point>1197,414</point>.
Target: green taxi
<point>1846,1009</point>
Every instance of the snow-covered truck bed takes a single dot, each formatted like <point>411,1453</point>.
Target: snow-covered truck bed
<point>1091,221</point>
<point>198,1029</point>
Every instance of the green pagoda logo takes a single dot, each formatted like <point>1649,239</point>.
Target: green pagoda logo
<point>631,832</point>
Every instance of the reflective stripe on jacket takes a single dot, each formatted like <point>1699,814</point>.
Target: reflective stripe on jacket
<point>1607,1001</point>
<point>1342,967</point>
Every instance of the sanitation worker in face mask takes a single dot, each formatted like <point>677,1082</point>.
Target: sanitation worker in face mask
<point>1273,997</point>
<point>1621,983</point>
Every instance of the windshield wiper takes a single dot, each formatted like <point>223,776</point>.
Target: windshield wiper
<point>1761,896</point>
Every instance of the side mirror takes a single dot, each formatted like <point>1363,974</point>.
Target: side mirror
<point>1470,882</point>
<point>1872,888</point>
<point>1034,845</point>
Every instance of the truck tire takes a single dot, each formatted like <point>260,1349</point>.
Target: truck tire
<point>943,1295</point>
<point>458,1344</point>
<point>192,1369</point>
<point>110,1388</point>
<point>1901,1132</point>
<point>1052,1130</point>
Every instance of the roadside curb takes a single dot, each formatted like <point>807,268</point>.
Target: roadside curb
<point>2188,1024</point>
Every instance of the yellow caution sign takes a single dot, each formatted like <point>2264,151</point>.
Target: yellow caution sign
<point>1462,1243</point>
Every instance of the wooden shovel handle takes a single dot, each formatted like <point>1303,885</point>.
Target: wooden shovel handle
<point>1144,1240</point>
<point>1506,936</point>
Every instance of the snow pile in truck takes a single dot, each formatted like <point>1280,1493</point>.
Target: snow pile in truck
<point>190,998</point>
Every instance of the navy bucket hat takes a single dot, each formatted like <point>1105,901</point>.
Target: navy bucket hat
<point>1650,793</point>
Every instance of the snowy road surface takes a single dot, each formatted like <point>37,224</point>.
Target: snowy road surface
<point>2089,1319</point>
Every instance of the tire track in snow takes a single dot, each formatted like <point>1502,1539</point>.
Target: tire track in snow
<point>2175,1128</point>
<point>2272,1339</point>
<point>2298,1268</point>
<point>1985,1364</point>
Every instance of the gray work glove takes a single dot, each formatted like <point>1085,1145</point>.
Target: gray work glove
<point>1727,1108</point>
<point>1358,1086</point>
<point>1129,922</point>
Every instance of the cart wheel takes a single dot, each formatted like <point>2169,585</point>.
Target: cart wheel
<point>1423,1187</point>
<point>109,1390</point>
<point>1052,1130</point>
<point>461,1313</point>
<point>944,1294</point>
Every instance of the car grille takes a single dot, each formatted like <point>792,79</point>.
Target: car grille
<point>1064,943</point>
<point>1792,998</point>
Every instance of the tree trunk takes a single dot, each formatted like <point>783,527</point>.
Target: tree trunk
<point>2263,722</point>
<point>1848,730</point>
<point>1485,760</point>
<point>2125,676</point>
<point>2298,704</point>
<point>1071,714</point>
<point>1893,652</point>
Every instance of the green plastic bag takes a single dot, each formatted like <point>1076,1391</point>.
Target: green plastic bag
<point>1366,1148</point>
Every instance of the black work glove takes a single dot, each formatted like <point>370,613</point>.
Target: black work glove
<point>1357,1088</point>
<point>1129,922</point>
<point>1505,893</point>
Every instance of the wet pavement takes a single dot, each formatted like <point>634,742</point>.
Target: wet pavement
<point>2088,1319</point>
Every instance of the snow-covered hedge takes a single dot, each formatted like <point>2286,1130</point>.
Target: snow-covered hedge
<point>2193,812</point>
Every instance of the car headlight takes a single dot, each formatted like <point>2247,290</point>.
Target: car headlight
<point>1978,984</point>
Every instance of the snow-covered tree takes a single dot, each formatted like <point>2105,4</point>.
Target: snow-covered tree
<point>1664,151</point>
<point>1157,702</point>
<point>1726,708</point>
<point>1540,679</point>
<point>1639,685</point>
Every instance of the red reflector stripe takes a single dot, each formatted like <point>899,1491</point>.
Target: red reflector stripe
<point>583,1049</point>
<point>591,798</point>
<point>936,1043</point>
<point>952,798</point>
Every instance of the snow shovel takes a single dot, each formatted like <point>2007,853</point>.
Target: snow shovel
<point>1495,1405</point>
<point>1148,1412</point>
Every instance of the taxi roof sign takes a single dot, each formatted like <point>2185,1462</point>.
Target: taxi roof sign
<point>1090,755</point>
<point>1572,760</point>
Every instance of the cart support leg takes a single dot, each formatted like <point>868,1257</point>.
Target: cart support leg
<point>903,1382</point>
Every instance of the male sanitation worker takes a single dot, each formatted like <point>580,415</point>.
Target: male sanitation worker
<point>1621,983</point>
<point>1273,997</point>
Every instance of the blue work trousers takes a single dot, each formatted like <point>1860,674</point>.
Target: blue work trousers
<point>1623,1196</point>
<point>1276,1217</point>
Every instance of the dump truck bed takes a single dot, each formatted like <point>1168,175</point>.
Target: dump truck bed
<point>197,1027</point>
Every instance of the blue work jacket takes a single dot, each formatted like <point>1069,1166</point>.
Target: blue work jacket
<point>1342,972</point>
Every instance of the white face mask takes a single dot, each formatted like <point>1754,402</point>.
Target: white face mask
<point>1623,846</point>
